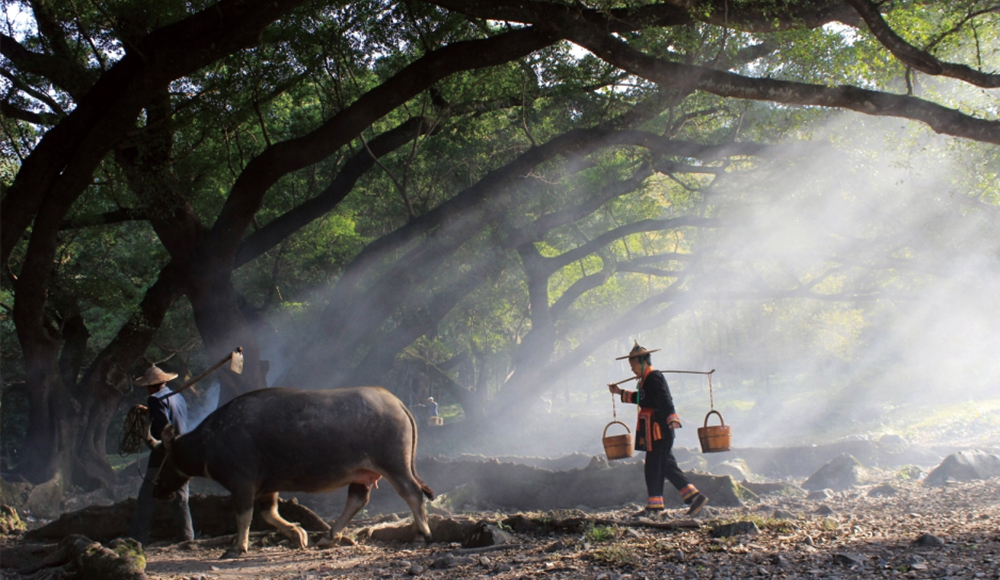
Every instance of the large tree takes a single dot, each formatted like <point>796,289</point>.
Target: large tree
<point>414,157</point>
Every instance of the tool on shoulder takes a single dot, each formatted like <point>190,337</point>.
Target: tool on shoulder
<point>137,420</point>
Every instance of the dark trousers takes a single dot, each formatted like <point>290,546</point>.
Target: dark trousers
<point>660,464</point>
<point>145,506</point>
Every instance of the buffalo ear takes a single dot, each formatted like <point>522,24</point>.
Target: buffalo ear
<point>168,436</point>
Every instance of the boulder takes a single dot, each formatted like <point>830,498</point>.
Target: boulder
<point>965,466</point>
<point>841,473</point>
<point>737,468</point>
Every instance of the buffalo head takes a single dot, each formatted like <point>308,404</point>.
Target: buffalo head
<point>169,479</point>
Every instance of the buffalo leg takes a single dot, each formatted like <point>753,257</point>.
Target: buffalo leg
<point>410,491</point>
<point>358,495</point>
<point>269,511</point>
<point>243,504</point>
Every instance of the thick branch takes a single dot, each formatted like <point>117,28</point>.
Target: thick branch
<point>913,56</point>
<point>573,25</point>
<point>288,223</point>
<point>650,225</point>
<point>749,16</point>
<point>50,67</point>
<point>102,219</point>
<point>282,158</point>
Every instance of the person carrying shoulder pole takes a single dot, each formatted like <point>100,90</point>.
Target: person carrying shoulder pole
<point>163,410</point>
<point>654,432</point>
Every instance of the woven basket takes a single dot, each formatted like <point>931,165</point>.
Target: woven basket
<point>715,438</point>
<point>618,446</point>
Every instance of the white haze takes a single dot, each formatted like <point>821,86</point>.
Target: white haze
<point>914,337</point>
<point>914,334</point>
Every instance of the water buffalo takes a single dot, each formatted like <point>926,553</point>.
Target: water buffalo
<point>274,440</point>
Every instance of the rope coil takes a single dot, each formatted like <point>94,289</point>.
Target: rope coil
<point>133,434</point>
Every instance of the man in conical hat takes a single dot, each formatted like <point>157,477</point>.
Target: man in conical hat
<point>164,407</point>
<point>654,432</point>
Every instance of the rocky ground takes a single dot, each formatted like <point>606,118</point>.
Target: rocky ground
<point>896,529</point>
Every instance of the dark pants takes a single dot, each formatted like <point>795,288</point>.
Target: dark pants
<point>145,506</point>
<point>660,465</point>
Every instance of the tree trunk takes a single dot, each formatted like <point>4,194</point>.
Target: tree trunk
<point>223,327</point>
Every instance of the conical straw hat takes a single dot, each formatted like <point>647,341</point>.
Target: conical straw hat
<point>637,351</point>
<point>154,376</point>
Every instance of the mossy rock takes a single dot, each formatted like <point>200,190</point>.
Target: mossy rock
<point>722,490</point>
<point>10,522</point>
<point>45,499</point>
<point>13,494</point>
<point>123,559</point>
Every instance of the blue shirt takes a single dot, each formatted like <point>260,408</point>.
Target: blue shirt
<point>173,410</point>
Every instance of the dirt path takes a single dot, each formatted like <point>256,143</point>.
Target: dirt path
<point>854,536</point>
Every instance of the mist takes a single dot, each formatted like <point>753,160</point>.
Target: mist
<point>851,292</point>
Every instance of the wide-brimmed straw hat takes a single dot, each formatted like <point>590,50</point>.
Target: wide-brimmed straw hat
<point>154,376</point>
<point>637,351</point>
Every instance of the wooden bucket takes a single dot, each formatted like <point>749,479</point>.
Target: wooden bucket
<point>715,438</point>
<point>618,446</point>
<point>435,421</point>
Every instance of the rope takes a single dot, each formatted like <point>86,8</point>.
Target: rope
<point>711,398</point>
<point>133,433</point>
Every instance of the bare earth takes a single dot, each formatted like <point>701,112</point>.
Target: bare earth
<point>863,537</point>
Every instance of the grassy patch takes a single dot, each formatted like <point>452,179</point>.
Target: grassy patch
<point>615,556</point>
<point>598,534</point>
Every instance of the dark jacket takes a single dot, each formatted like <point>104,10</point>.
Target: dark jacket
<point>656,406</point>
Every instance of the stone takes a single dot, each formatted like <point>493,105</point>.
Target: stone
<point>929,541</point>
<point>486,534</point>
<point>840,473</point>
<point>783,515</point>
<point>416,570</point>
<point>824,510</point>
<point>734,529</point>
<point>965,466</point>
<point>820,494</point>
<point>883,490</point>
<point>444,562</point>
<point>893,444</point>
<point>849,559</point>
<point>737,468</point>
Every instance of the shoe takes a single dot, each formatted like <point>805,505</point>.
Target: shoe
<point>697,503</point>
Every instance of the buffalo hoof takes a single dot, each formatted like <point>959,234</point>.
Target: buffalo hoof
<point>232,554</point>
